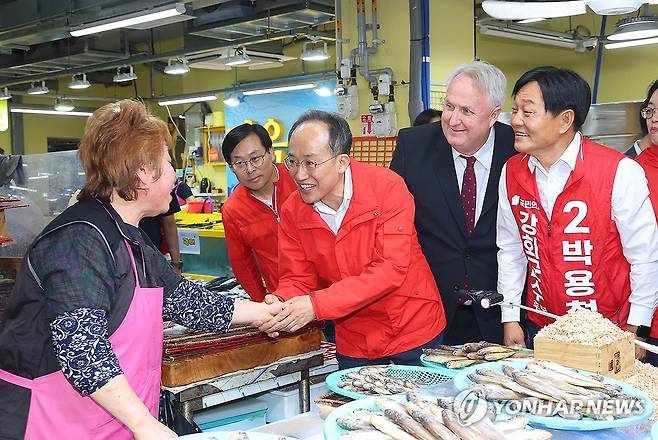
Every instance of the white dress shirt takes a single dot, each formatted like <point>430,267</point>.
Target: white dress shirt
<point>483,158</point>
<point>334,218</point>
<point>631,211</point>
<point>637,148</point>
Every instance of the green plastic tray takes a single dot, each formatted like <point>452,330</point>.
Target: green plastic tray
<point>420,375</point>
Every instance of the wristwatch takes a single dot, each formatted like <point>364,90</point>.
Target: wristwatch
<point>178,265</point>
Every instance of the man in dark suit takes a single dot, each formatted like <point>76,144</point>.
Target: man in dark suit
<point>452,169</point>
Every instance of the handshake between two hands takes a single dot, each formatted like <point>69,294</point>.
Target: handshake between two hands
<point>287,316</point>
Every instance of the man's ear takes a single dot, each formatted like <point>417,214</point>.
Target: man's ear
<point>567,118</point>
<point>343,162</point>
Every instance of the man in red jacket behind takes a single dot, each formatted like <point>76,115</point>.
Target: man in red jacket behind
<point>251,214</point>
<point>348,252</point>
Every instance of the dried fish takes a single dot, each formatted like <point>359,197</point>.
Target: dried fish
<point>494,349</point>
<point>443,358</point>
<point>433,425</point>
<point>452,422</point>
<point>460,363</point>
<point>354,423</point>
<point>407,423</point>
<point>388,427</point>
<point>498,356</point>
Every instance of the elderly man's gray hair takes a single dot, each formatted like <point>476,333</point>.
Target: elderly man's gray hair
<point>486,77</point>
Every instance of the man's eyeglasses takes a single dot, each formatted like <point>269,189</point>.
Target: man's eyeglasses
<point>254,162</point>
<point>648,112</point>
<point>309,165</point>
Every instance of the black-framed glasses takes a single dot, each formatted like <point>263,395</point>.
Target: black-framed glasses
<point>254,162</point>
<point>309,165</point>
<point>647,112</point>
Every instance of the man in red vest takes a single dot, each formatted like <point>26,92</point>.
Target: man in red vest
<point>574,217</point>
<point>348,252</point>
<point>251,214</point>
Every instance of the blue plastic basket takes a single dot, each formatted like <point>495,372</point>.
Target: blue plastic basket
<point>331,429</point>
<point>419,375</point>
<point>654,432</point>
<point>556,422</point>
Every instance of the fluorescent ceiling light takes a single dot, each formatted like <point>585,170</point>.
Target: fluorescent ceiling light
<point>5,94</point>
<point>176,66</point>
<point>79,82</point>
<point>239,57</point>
<point>507,10</point>
<point>635,28</point>
<point>37,90</point>
<point>530,20</point>
<point>174,101</point>
<point>316,54</point>
<point>542,37</point>
<point>129,20</point>
<point>279,89</point>
<point>631,43</point>
<point>233,101</point>
<point>323,91</point>
<point>124,74</point>
<point>64,105</point>
<point>47,112</point>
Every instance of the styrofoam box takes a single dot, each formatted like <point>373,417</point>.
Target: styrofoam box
<point>283,402</point>
<point>241,415</point>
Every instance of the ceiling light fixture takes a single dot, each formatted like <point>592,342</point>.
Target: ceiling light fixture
<point>541,36</point>
<point>37,90</point>
<point>5,94</point>
<point>530,20</point>
<point>238,58</point>
<point>314,54</point>
<point>631,43</point>
<point>79,81</point>
<point>124,74</point>
<point>47,112</point>
<point>176,66</point>
<point>635,28</point>
<point>279,89</point>
<point>128,20</point>
<point>64,105</point>
<point>323,91</point>
<point>188,100</point>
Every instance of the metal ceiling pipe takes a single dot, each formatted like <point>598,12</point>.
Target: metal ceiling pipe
<point>147,58</point>
<point>415,105</point>
<point>363,50</point>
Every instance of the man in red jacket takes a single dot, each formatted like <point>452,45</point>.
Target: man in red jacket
<point>574,217</point>
<point>251,214</point>
<point>348,252</point>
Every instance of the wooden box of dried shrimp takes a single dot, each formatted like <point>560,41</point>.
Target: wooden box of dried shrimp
<point>615,359</point>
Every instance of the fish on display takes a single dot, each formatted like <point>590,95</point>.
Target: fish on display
<point>421,418</point>
<point>460,356</point>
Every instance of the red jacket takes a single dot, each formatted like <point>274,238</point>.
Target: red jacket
<point>649,161</point>
<point>576,258</point>
<point>372,278</point>
<point>251,236</point>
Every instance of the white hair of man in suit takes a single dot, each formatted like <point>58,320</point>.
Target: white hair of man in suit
<point>473,101</point>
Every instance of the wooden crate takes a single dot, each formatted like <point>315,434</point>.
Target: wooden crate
<point>214,364</point>
<point>616,359</point>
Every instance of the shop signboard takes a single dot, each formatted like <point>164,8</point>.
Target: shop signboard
<point>188,241</point>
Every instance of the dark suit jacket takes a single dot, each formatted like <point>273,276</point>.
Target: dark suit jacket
<point>424,159</point>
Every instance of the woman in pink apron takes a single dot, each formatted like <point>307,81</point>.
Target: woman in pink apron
<point>81,339</point>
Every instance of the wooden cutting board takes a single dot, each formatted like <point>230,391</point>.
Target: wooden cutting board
<point>205,366</point>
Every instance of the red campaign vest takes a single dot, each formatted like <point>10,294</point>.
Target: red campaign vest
<point>576,258</point>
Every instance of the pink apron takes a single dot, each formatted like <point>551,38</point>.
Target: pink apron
<point>58,411</point>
